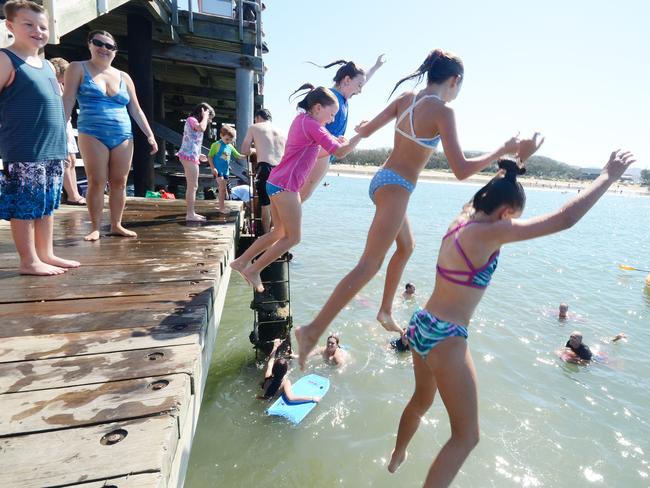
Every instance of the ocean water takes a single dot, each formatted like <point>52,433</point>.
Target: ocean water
<point>544,423</point>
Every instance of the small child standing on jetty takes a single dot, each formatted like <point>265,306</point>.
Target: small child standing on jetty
<point>190,154</point>
<point>219,159</point>
<point>438,332</point>
<point>33,141</point>
<point>306,136</point>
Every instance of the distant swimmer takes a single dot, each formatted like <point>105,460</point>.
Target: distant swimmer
<point>409,291</point>
<point>467,260</point>
<point>576,351</point>
<point>275,379</point>
<point>564,309</point>
<point>332,352</point>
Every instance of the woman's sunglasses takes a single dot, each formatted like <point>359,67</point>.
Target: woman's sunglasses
<point>98,43</point>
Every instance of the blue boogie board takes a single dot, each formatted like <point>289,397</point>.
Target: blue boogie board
<point>311,385</point>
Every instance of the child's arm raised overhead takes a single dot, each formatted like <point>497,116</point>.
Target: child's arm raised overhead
<point>511,230</point>
<point>378,64</point>
<point>461,166</point>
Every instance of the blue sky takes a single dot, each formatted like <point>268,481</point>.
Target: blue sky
<point>575,70</point>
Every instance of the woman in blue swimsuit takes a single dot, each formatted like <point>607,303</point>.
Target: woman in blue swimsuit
<point>349,80</point>
<point>106,97</point>
<point>438,332</point>
<point>422,119</point>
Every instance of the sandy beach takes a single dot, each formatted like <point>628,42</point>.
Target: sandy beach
<point>528,182</point>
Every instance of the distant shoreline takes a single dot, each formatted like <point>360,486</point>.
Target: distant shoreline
<point>528,182</point>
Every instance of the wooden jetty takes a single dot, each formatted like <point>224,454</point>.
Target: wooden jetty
<point>102,369</point>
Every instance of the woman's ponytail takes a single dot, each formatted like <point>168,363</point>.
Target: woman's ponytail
<point>315,94</point>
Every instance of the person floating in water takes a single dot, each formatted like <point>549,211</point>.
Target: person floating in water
<point>409,291</point>
<point>563,311</point>
<point>467,259</point>
<point>580,351</point>
<point>332,352</point>
<point>276,381</point>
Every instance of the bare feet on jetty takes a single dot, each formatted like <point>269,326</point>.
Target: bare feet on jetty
<point>92,237</point>
<point>387,322</point>
<point>195,218</point>
<point>306,343</point>
<point>119,231</point>
<point>58,262</point>
<point>40,269</point>
<point>396,460</point>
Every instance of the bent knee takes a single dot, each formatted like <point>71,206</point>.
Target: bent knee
<point>468,438</point>
<point>368,267</point>
<point>406,248</point>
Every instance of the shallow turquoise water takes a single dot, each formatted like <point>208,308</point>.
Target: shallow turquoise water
<point>543,423</point>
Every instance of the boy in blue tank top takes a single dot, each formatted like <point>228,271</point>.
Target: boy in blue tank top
<point>33,141</point>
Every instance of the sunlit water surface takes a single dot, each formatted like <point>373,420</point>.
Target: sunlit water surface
<point>543,422</point>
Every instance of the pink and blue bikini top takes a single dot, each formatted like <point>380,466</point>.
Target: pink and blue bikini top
<point>474,277</point>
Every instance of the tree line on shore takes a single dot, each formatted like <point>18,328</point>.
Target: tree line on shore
<point>537,166</point>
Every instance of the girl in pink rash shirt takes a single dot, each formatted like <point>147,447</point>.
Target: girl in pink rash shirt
<point>306,136</point>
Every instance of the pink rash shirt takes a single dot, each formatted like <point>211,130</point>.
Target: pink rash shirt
<point>305,138</point>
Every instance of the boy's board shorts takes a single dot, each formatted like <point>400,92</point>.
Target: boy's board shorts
<point>30,190</point>
<point>263,172</point>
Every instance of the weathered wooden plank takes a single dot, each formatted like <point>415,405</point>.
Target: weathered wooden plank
<point>50,346</point>
<point>126,276</point>
<point>40,411</point>
<point>88,453</point>
<point>55,292</point>
<point>168,320</point>
<point>180,300</point>
<point>97,368</point>
<point>148,480</point>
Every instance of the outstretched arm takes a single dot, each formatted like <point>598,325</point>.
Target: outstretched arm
<point>348,147</point>
<point>381,59</point>
<point>368,128</point>
<point>461,166</point>
<point>269,365</point>
<point>570,213</point>
<point>288,393</point>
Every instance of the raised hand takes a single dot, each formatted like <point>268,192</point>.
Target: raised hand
<point>381,59</point>
<point>618,162</point>
<point>528,147</point>
<point>511,146</point>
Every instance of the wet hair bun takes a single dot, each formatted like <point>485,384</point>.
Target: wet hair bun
<point>511,168</point>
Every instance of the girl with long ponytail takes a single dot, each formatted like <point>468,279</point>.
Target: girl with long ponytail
<point>423,118</point>
<point>438,332</point>
<point>349,80</point>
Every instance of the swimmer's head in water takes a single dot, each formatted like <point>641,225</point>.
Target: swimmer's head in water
<point>503,193</point>
<point>564,308</point>
<point>440,67</point>
<point>409,289</point>
<point>333,342</point>
<point>575,339</point>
